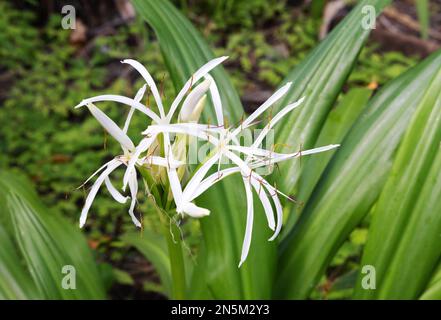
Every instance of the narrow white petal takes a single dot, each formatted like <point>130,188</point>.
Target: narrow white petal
<point>111,127</point>
<point>95,173</point>
<point>211,180</point>
<point>268,103</point>
<point>198,176</point>
<point>275,120</point>
<point>133,185</point>
<point>279,210</point>
<point>140,148</point>
<point>150,82</point>
<point>195,78</point>
<point>185,115</point>
<point>258,182</point>
<point>192,129</point>
<point>278,157</point>
<point>162,162</point>
<point>217,103</point>
<point>252,151</point>
<point>193,210</point>
<point>263,197</point>
<point>115,193</point>
<point>173,178</point>
<point>112,165</point>
<point>123,100</point>
<point>138,98</point>
<point>175,186</point>
<point>320,149</point>
<point>249,225</point>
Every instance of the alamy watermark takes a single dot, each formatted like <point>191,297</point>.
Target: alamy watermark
<point>370,17</point>
<point>69,281</point>
<point>368,282</point>
<point>69,19</point>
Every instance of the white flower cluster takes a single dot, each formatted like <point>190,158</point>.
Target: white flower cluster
<point>224,140</point>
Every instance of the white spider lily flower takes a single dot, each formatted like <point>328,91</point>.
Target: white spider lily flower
<point>189,104</point>
<point>164,118</point>
<point>226,143</point>
<point>128,149</point>
<point>107,169</point>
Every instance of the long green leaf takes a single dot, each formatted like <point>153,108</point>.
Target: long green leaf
<point>184,51</point>
<point>433,290</point>
<point>351,182</point>
<point>320,78</point>
<point>338,123</point>
<point>404,232</point>
<point>15,281</point>
<point>423,12</point>
<point>48,243</point>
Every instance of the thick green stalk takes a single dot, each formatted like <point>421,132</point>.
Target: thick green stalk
<point>174,244</point>
<point>173,236</point>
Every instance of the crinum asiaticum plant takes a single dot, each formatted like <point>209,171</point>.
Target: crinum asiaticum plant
<point>161,152</point>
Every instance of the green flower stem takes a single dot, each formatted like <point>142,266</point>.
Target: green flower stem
<point>173,235</point>
<point>174,243</point>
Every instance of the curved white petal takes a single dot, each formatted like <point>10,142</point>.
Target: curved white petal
<point>195,78</point>
<point>258,183</point>
<point>252,151</point>
<point>111,165</point>
<point>263,197</point>
<point>111,127</point>
<point>217,103</point>
<point>95,173</point>
<point>192,129</point>
<point>133,186</point>
<point>211,180</point>
<point>123,100</point>
<point>190,103</point>
<point>249,225</point>
<point>150,82</point>
<point>140,148</point>
<point>278,157</point>
<point>198,176</point>
<point>138,98</point>
<point>268,103</point>
<point>275,120</point>
<point>162,162</point>
<point>115,193</point>
<point>193,210</point>
<point>173,178</point>
<point>279,210</point>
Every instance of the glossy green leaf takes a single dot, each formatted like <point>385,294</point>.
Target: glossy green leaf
<point>352,181</point>
<point>338,123</point>
<point>404,225</point>
<point>15,281</point>
<point>320,78</point>
<point>185,50</point>
<point>48,244</point>
<point>433,290</point>
<point>423,13</point>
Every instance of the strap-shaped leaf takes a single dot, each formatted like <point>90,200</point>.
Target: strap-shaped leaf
<point>406,221</point>
<point>15,281</point>
<point>320,78</point>
<point>337,124</point>
<point>352,181</point>
<point>48,243</point>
